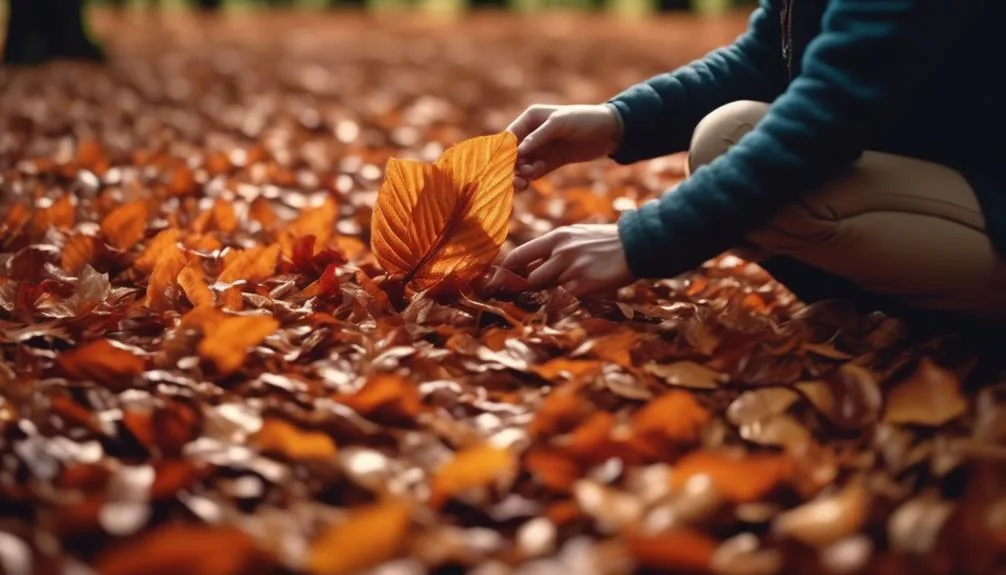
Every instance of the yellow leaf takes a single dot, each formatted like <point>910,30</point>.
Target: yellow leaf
<point>125,225</point>
<point>369,536</point>
<point>278,436</point>
<point>479,466</point>
<point>431,221</point>
<point>226,342</point>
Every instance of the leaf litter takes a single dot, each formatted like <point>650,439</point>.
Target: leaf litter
<point>205,368</point>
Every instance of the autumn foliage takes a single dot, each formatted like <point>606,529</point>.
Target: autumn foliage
<point>241,333</point>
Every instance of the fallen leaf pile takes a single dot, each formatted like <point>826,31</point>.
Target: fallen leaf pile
<point>205,369</point>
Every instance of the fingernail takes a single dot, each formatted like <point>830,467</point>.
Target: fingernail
<point>524,169</point>
<point>519,183</point>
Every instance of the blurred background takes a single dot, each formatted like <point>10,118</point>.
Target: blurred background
<point>40,30</point>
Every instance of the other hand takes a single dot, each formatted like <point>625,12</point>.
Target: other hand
<point>584,259</point>
<point>552,136</point>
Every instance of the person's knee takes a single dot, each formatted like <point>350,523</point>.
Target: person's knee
<point>721,129</point>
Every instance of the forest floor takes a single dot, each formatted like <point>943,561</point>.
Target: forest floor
<point>201,371</point>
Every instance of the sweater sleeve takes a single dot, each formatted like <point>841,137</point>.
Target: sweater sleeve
<point>659,115</point>
<point>868,57</point>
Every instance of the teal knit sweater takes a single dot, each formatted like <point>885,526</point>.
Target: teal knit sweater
<point>918,78</point>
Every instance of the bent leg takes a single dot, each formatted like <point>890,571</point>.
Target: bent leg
<point>894,226</point>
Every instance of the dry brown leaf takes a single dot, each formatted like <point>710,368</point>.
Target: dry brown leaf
<point>164,241</point>
<point>316,221</point>
<point>62,214</point>
<point>280,437</point>
<point>388,398</point>
<point>103,362</point>
<point>675,416</point>
<point>475,467</point>
<point>192,280</point>
<point>169,264</point>
<point>559,412</point>
<point>368,537</point>
<point>676,551</point>
<point>125,225</point>
<point>552,468</point>
<point>189,549</point>
<point>561,367</point>
<point>827,519</point>
<point>739,478</point>
<point>931,396</point>
<point>226,342</point>
<point>78,252</point>
<point>616,348</point>
<point>253,265</point>
<point>432,221</point>
<point>687,374</point>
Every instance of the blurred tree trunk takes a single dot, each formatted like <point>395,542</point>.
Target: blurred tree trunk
<point>40,30</point>
<point>211,5</point>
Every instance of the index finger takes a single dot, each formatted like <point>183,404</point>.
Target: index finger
<point>529,120</point>
<point>523,255</point>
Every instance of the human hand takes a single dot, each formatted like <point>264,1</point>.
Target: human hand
<point>552,136</point>
<point>584,259</point>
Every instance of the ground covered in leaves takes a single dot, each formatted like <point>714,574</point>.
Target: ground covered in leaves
<point>202,372</point>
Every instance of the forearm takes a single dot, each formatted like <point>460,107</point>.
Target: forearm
<point>866,60</point>
<point>660,114</point>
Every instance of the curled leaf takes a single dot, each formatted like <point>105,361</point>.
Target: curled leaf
<point>687,374</point>
<point>827,519</point>
<point>101,361</point>
<point>931,396</point>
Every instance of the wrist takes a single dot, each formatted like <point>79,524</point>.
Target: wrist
<point>617,127</point>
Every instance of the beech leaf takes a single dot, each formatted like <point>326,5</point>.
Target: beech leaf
<point>434,220</point>
<point>368,537</point>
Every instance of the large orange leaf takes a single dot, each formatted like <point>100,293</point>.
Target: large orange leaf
<point>448,218</point>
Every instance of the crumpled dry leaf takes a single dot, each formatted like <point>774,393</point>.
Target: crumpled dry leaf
<point>672,419</point>
<point>386,397</point>
<point>676,551</point>
<point>827,519</point>
<point>740,478</point>
<point>432,221</point>
<point>226,341</point>
<point>687,374</point>
<point>930,396</point>
<point>101,361</point>
<point>174,549</point>
<point>125,225</point>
